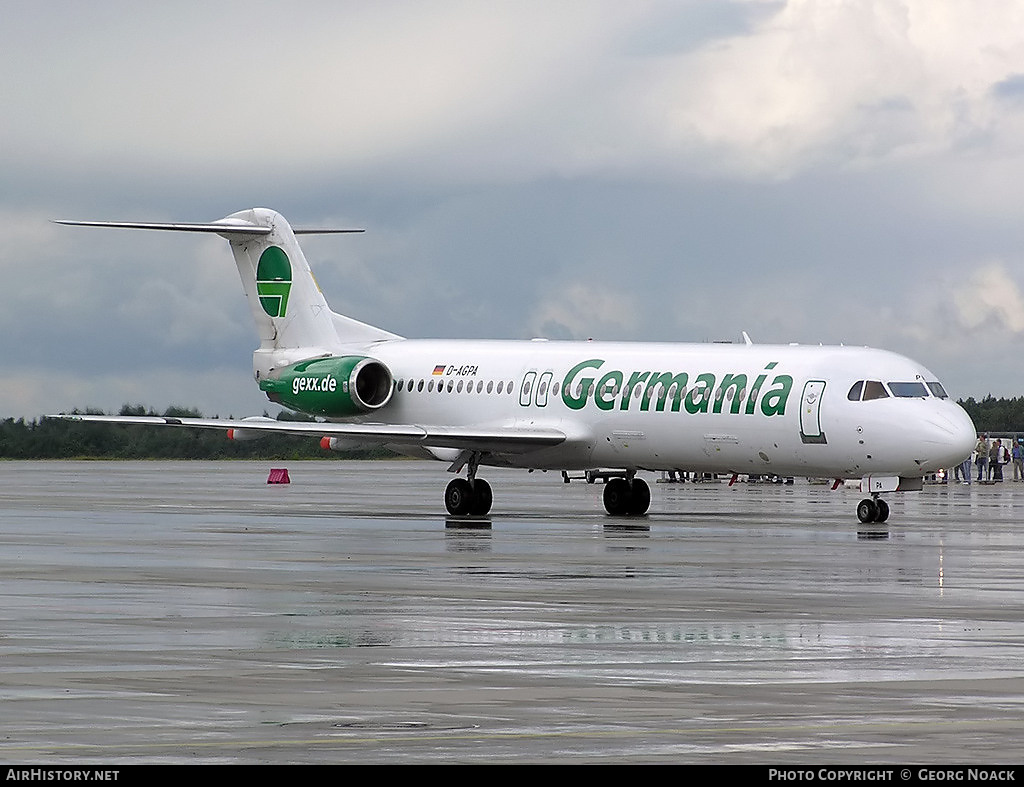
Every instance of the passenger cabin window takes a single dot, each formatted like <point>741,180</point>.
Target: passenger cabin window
<point>937,390</point>
<point>908,390</point>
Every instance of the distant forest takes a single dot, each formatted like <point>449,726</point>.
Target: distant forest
<point>54,438</point>
<point>1000,416</point>
<point>50,438</point>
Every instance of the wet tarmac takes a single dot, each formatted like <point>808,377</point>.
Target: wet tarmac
<point>163,612</point>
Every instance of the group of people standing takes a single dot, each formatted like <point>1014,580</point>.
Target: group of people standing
<point>990,456</point>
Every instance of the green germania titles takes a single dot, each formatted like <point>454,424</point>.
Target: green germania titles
<point>732,393</point>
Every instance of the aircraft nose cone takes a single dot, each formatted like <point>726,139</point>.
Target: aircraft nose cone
<point>952,435</point>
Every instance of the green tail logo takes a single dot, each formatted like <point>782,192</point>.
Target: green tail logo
<point>274,281</point>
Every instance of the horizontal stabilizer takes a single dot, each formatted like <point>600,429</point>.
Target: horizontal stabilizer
<point>233,227</point>
<point>287,305</point>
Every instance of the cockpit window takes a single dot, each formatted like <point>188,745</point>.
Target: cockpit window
<point>908,390</point>
<point>874,390</point>
<point>866,390</point>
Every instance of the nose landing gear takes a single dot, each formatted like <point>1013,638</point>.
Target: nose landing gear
<point>872,509</point>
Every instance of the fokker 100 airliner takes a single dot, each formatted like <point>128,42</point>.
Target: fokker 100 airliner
<point>836,412</point>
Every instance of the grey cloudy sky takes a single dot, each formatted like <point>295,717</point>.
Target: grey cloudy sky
<point>810,171</point>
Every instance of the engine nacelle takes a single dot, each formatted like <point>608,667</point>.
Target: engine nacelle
<point>331,387</point>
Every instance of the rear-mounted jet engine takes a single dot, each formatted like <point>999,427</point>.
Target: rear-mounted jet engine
<point>331,387</point>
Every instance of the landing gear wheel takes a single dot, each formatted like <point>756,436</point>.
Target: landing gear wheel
<point>482,498</point>
<point>639,497</point>
<point>458,497</point>
<point>617,497</point>
<point>867,510</point>
<point>883,510</point>
<point>627,498</point>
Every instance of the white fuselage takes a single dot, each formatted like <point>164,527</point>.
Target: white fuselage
<point>843,412</point>
<point>759,409</point>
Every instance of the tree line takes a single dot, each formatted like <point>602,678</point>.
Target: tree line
<point>56,438</point>
<point>991,415</point>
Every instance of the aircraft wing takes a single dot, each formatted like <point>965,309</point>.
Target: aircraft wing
<point>496,439</point>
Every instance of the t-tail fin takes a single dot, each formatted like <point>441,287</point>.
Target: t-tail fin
<point>286,303</point>
<point>291,315</point>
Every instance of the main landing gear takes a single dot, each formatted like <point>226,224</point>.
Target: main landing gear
<point>872,509</point>
<point>629,496</point>
<point>469,495</point>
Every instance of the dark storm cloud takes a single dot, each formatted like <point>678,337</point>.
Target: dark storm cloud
<point>657,170</point>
